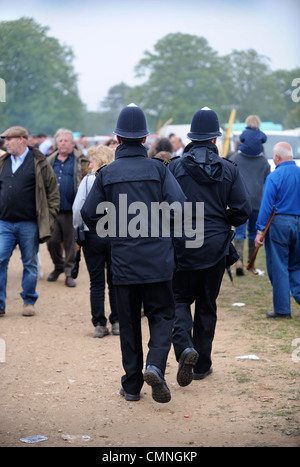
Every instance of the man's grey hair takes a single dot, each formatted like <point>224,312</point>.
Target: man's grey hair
<point>63,131</point>
<point>283,150</point>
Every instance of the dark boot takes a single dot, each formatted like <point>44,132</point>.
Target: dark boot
<point>251,250</point>
<point>239,246</point>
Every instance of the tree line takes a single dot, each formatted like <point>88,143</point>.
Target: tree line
<point>180,75</point>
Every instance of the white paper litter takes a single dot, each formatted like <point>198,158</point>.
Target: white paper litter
<point>248,357</point>
<point>260,272</point>
<point>33,439</point>
<point>71,438</point>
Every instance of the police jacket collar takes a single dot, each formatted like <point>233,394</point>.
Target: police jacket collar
<point>199,144</point>
<point>202,162</point>
<point>130,150</point>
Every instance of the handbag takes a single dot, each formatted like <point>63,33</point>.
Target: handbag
<point>80,235</point>
<point>233,255</point>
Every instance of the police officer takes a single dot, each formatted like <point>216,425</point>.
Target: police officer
<point>205,178</point>
<point>142,264</point>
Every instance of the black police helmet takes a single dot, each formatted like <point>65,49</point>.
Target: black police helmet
<point>131,123</point>
<point>205,125</point>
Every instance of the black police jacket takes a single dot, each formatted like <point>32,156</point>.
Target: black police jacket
<point>207,178</point>
<point>128,189</point>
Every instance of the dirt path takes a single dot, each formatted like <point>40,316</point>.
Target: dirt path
<point>60,382</point>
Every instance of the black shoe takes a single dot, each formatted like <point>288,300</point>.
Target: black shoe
<point>2,311</point>
<point>70,282</point>
<point>160,391</point>
<point>129,397</point>
<point>239,268</point>
<point>53,276</point>
<point>272,314</point>
<point>187,360</point>
<point>202,375</point>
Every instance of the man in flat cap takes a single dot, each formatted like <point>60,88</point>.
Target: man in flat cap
<point>29,203</point>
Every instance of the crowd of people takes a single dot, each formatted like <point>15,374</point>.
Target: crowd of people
<point>66,194</point>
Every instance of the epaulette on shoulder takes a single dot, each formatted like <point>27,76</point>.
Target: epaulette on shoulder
<point>228,160</point>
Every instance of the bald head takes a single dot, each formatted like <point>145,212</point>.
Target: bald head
<point>282,152</point>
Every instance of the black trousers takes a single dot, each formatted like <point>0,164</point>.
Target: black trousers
<point>96,252</point>
<point>202,287</point>
<point>159,308</point>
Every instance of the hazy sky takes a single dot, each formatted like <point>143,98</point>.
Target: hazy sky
<point>109,37</point>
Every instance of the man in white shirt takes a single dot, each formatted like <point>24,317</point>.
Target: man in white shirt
<point>178,146</point>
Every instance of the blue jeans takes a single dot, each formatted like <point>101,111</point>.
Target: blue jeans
<point>25,234</point>
<point>282,244</point>
<point>240,231</point>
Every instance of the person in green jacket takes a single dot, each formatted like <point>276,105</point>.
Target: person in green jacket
<point>29,203</point>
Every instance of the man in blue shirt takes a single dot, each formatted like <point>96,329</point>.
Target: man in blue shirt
<point>282,242</point>
<point>69,166</point>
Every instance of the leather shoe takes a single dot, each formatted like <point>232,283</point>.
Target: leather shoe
<point>115,328</point>
<point>70,282</point>
<point>239,268</point>
<point>53,276</point>
<point>2,311</point>
<point>202,375</point>
<point>129,397</point>
<point>272,314</point>
<point>28,310</point>
<point>187,360</point>
<point>154,377</point>
<point>100,331</point>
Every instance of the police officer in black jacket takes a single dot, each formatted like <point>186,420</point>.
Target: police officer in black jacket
<point>142,261</point>
<point>223,201</point>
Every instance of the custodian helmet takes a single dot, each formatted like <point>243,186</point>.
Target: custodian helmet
<point>205,125</point>
<point>131,123</point>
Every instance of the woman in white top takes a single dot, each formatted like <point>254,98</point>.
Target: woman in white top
<point>96,250</point>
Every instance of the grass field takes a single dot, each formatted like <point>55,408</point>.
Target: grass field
<point>256,292</point>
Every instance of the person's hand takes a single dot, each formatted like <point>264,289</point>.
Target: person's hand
<point>258,240</point>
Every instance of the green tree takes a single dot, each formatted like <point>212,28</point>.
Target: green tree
<point>254,90</point>
<point>292,119</point>
<point>116,98</point>
<point>99,123</point>
<point>41,86</point>
<point>287,83</point>
<point>183,74</point>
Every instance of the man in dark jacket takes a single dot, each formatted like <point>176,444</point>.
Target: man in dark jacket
<point>29,203</point>
<point>142,263</point>
<point>254,167</point>
<point>205,178</point>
